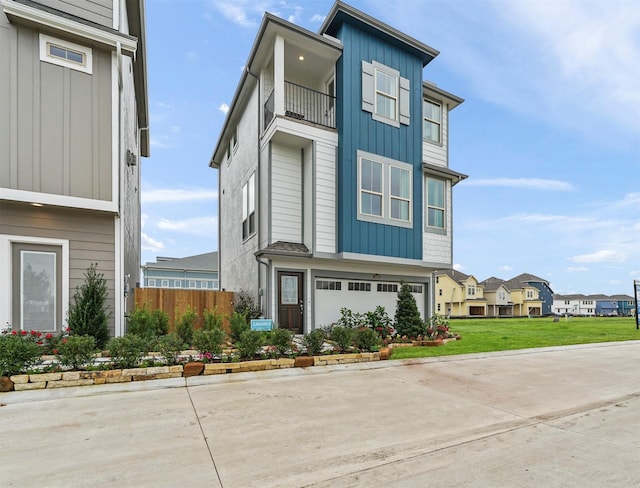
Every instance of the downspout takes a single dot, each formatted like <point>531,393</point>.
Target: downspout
<point>119,327</point>
<point>262,296</point>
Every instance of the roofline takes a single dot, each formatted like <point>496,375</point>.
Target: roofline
<point>453,100</point>
<point>447,173</point>
<point>267,19</point>
<point>339,6</point>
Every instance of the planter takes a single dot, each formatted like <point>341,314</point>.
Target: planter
<point>193,368</point>
<point>303,361</point>
<point>437,342</point>
<point>385,353</point>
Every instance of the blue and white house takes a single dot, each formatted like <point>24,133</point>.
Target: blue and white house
<point>334,178</point>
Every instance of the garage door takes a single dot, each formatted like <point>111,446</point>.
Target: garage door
<point>358,296</point>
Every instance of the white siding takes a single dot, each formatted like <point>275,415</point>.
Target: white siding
<point>437,153</point>
<point>286,194</point>
<point>325,204</point>
<point>437,247</point>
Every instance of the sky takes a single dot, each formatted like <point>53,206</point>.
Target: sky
<point>549,132</point>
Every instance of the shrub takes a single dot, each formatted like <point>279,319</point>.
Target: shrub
<point>185,324</point>
<point>169,346</point>
<point>18,353</point>
<point>87,315</point>
<point>313,341</point>
<point>238,325</point>
<point>245,304</point>
<point>350,319</point>
<point>408,320</point>
<point>380,322</point>
<point>148,323</point>
<point>342,336</point>
<point>127,351</point>
<point>366,339</point>
<point>281,339</point>
<point>212,319</point>
<point>249,344</point>
<point>76,351</point>
<point>208,342</point>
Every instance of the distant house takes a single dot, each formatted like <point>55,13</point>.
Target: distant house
<point>545,293</point>
<point>575,304</point>
<point>74,126</point>
<point>498,296</point>
<point>605,306</point>
<point>334,176</point>
<point>459,295</point>
<point>626,305</point>
<point>199,272</point>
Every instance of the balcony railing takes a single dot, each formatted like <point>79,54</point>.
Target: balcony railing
<point>303,103</point>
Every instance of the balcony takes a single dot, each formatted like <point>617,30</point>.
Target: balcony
<point>304,104</point>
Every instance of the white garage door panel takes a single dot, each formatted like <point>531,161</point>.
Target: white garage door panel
<point>329,302</point>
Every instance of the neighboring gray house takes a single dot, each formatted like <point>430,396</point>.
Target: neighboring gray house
<point>73,126</point>
<point>334,177</point>
<point>193,272</point>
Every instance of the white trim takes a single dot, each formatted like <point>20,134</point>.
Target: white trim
<point>115,133</point>
<point>5,275</point>
<point>57,200</point>
<point>118,288</point>
<point>46,42</point>
<point>116,15</point>
<point>395,121</point>
<point>65,25</point>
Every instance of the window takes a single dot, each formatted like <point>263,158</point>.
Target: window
<point>432,122</point>
<point>416,288</point>
<point>328,285</point>
<point>152,282</point>
<point>435,203</point>
<point>384,190</point>
<point>357,286</point>
<point>65,53</point>
<point>38,290</point>
<point>440,292</point>
<point>248,208</point>
<point>471,291</point>
<point>388,287</point>
<point>385,94</point>
<point>164,283</point>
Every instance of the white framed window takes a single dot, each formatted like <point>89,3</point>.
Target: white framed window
<point>65,53</point>
<point>152,282</point>
<point>249,208</point>
<point>432,121</point>
<point>192,283</point>
<point>384,190</point>
<point>164,283</point>
<point>435,203</point>
<point>385,94</point>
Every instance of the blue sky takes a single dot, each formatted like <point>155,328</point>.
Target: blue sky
<point>549,132</point>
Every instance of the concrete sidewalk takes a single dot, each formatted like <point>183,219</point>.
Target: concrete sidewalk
<point>550,417</point>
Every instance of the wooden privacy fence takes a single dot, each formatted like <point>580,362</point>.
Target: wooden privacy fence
<point>175,302</point>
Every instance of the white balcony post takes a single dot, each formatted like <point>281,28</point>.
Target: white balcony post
<point>278,76</point>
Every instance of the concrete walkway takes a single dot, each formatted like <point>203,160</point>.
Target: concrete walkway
<point>555,417</point>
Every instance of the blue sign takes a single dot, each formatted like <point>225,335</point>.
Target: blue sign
<point>261,324</point>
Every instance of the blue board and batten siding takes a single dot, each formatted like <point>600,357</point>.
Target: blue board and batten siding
<point>358,131</point>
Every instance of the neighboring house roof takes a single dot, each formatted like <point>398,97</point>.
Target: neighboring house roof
<point>492,284</point>
<point>199,262</point>
<point>622,298</point>
<point>454,275</point>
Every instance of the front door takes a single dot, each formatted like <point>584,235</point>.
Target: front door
<point>291,301</point>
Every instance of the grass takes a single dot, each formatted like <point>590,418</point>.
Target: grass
<point>487,335</point>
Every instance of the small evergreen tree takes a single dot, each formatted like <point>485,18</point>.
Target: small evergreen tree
<point>88,315</point>
<point>408,320</point>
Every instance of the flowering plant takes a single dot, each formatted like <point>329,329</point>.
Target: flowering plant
<point>19,351</point>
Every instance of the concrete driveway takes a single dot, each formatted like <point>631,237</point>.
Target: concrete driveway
<point>555,417</point>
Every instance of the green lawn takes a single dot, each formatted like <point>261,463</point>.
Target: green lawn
<point>485,335</point>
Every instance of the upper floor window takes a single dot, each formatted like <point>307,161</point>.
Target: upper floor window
<point>249,208</point>
<point>65,53</point>
<point>435,203</point>
<point>432,122</point>
<point>385,94</point>
<point>471,290</point>
<point>384,190</point>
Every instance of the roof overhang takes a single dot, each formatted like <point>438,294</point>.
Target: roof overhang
<point>443,172</point>
<point>341,12</point>
<point>137,27</point>
<point>430,89</point>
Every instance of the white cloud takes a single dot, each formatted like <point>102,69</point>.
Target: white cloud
<point>175,129</point>
<point>201,226</point>
<point>605,255</point>
<point>317,18</point>
<point>577,269</point>
<point>164,105</point>
<point>224,108</point>
<point>150,244</point>
<point>236,12</point>
<point>155,142</point>
<point>526,183</point>
<point>162,195</point>
<point>505,267</point>
<point>458,267</point>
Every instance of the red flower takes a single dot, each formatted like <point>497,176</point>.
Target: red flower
<point>13,332</point>
<point>23,332</point>
<point>64,341</point>
<point>33,332</point>
<point>55,351</point>
<point>39,343</point>
<point>49,336</point>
